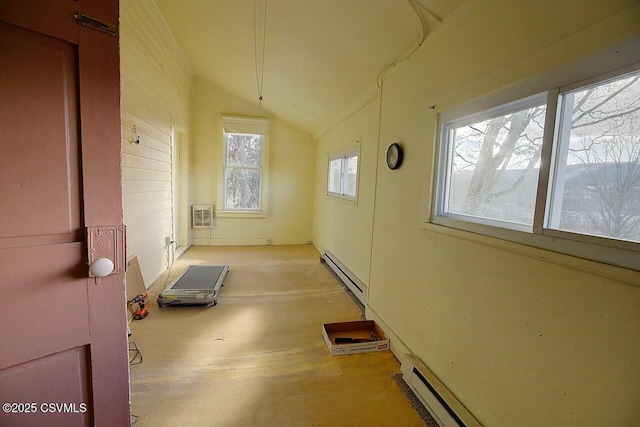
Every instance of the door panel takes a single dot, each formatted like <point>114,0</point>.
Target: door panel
<point>42,17</point>
<point>39,168</point>
<point>48,304</point>
<point>60,380</point>
<point>64,337</point>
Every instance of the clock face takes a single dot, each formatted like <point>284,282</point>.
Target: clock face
<point>394,156</point>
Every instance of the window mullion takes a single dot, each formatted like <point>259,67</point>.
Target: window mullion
<point>546,162</point>
<point>255,168</point>
<point>343,176</point>
<point>450,135</point>
<point>563,132</point>
<point>440,193</point>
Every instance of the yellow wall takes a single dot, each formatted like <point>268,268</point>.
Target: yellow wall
<point>344,228</point>
<point>156,82</point>
<point>521,336</point>
<point>290,181</point>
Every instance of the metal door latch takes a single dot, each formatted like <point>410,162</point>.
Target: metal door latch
<point>106,242</point>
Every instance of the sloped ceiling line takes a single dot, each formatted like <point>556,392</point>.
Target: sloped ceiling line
<point>322,57</point>
<point>427,23</point>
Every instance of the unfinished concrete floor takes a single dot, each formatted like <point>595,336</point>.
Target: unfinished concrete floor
<point>258,358</point>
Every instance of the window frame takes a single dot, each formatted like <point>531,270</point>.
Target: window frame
<point>246,126</point>
<point>441,200</point>
<point>612,62</point>
<point>344,155</point>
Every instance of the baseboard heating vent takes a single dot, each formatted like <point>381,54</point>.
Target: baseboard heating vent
<point>439,401</point>
<point>358,288</point>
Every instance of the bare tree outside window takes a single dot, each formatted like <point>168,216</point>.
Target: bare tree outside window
<point>495,163</point>
<point>601,194</point>
<point>495,166</point>
<point>243,171</point>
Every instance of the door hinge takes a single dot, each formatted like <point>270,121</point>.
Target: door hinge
<point>95,24</point>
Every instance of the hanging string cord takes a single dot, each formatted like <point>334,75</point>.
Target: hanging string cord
<point>260,67</point>
<point>414,5</point>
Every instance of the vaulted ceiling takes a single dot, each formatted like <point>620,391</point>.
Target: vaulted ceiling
<point>321,58</point>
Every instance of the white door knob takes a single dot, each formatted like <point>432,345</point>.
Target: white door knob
<point>101,267</point>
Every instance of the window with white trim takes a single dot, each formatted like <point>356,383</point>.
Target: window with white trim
<point>243,163</point>
<point>558,170</point>
<point>342,180</point>
<point>493,163</point>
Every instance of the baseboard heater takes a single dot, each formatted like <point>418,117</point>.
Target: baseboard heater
<point>358,288</point>
<point>439,401</point>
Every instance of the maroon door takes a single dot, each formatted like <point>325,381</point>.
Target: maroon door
<point>63,348</point>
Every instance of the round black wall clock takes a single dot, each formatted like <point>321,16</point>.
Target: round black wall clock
<point>394,156</point>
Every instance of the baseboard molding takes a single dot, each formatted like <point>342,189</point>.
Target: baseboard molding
<point>397,347</point>
<point>346,276</point>
<point>249,242</point>
<point>181,250</point>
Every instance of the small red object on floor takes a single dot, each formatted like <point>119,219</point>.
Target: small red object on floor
<point>141,300</point>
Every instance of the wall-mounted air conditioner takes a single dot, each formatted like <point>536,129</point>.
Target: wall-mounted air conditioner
<point>202,216</point>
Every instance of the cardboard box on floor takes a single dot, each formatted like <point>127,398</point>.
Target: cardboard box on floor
<point>373,338</point>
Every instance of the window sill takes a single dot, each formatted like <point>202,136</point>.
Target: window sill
<point>241,214</point>
<point>341,198</point>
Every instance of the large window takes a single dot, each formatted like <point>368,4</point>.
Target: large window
<point>243,164</point>
<point>342,178</point>
<point>559,170</point>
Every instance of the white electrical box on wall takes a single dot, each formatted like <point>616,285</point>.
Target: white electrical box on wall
<point>202,216</point>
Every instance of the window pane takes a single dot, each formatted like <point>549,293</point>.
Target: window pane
<point>351,174</point>
<point>335,175</point>
<point>242,189</point>
<point>597,178</point>
<point>244,150</point>
<point>494,166</point>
